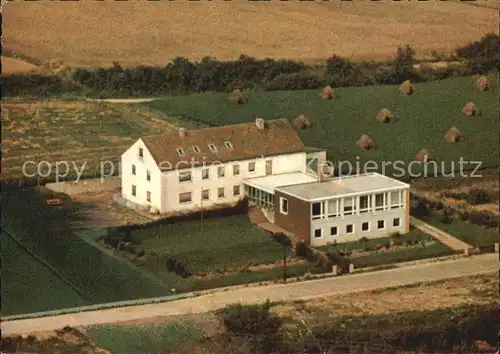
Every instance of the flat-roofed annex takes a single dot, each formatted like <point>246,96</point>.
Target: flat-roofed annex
<point>269,183</point>
<point>342,186</point>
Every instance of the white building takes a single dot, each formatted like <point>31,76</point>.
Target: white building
<point>191,169</point>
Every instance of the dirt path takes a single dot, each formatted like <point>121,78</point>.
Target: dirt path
<point>482,264</point>
<point>123,100</point>
<point>450,241</point>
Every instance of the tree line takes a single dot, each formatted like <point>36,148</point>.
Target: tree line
<point>183,76</point>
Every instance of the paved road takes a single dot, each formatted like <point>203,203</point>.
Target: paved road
<point>276,292</point>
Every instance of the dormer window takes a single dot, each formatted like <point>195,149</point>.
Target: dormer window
<point>180,151</point>
<point>196,149</point>
<point>212,147</point>
<point>228,144</point>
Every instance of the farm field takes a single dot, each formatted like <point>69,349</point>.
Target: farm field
<point>15,66</point>
<point>29,286</point>
<point>74,131</point>
<point>162,30</point>
<point>421,121</point>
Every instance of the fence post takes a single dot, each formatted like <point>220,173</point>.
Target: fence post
<point>497,248</point>
<point>335,270</point>
<point>351,268</point>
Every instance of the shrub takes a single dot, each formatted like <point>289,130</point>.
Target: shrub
<point>302,250</point>
<point>446,219</point>
<point>342,262</point>
<point>478,196</point>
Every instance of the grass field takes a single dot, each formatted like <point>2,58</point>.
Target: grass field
<point>99,33</point>
<point>421,120</point>
<point>98,277</point>
<point>73,131</point>
<point>215,246</point>
<point>29,286</point>
<point>160,338</point>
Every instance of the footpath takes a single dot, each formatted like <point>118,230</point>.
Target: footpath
<point>342,285</point>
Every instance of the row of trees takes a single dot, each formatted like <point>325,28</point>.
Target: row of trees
<point>184,76</point>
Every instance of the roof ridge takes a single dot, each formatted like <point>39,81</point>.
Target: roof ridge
<point>217,127</point>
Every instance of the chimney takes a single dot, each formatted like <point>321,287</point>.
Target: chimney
<point>182,132</point>
<point>320,170</point>
<point>259,122</point>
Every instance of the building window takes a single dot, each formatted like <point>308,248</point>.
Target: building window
<point>333,208</point>
<point>196,149</point>
<point>283,205</point>
<point>251,167</point>
<point>365,226</point>
<point>141,152</point>
<point>180,151</point>
<point>396,222</point>
<point>364,203</point>
<point>349,229</point>
<point>318,233</point>
<point>148,176</point>
<point>221,171</point>
<point>349,206</point>
<point>220,192</point>
<point>317,211</point>
<point>148,196</point>
<point>334,231</point>
<point>396,200</point>
<point>236,170</point>
<point>212,147</point>
<point>134,191</point>
<point>185,176</point>
<point>185,198</point>
<point>205,173</point>
<point>228,144</point>
<point>133,170</point>
<point>236,190</point>
<point>381,224</point>
<point>379,201</point>
<point>205,194</point>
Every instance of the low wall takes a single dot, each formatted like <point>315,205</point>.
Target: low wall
<point>72,188</point>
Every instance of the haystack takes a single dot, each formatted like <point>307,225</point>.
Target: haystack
<point>302,122</point>
<point>422,154</point>
<point>385,116</point>
<point>237,97</point>
<point>482,83</point>
<point>469,109</point>
<point>328,93</point>
<point>407,88</point>
<point>452,135</point>
<point>365,143</point>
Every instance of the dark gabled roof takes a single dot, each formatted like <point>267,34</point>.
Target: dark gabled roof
<point>278,137</point>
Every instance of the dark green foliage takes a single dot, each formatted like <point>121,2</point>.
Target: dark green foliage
<point>340,260</point>
<point>478,196</point>
<point>255,324</point>
<point>447,218</point>
<point>184,76</point>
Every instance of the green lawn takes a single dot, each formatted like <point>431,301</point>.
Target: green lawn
<point>165,338</point>
<point>29,286</point>
<point>213,246</point>
<point>474,235</point>
<point>422,120</point>
<point>432,248</point>
<point>46,232</point>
